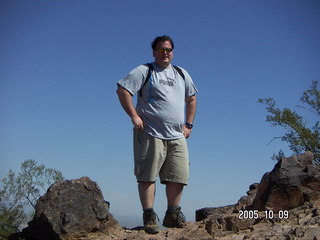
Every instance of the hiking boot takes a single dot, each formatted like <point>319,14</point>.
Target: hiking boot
<point>150,222</point>
<point>174,219</point>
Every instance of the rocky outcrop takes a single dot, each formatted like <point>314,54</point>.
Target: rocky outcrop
<point>301,223</point>
<point>291,183</point>
<point>284,206</point>
<point>69,210</point>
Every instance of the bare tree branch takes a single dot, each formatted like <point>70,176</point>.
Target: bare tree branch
<point>310,110</point>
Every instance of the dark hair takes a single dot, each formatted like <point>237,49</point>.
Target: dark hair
<point>161,39</point>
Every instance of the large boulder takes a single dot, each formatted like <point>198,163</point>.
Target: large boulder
<point>69,210</point>
<point>291,183</point>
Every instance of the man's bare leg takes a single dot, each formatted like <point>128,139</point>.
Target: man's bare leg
<point>174,193</point>
<point>147,192</point>
<point>174,217</point>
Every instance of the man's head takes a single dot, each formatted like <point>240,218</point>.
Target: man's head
<point>162,47</point>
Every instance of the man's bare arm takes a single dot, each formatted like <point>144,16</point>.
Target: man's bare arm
<point>126,102</point>
<point>191,106</point>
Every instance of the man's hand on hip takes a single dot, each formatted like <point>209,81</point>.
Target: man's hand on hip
<point>137,122</point>
<point>186,131</point>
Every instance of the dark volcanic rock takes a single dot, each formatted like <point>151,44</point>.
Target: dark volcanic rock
<point>204,213</point>
<point>291,183</point>
<point>244,203</point>
<point>292,187</point>
<point>72,208</point>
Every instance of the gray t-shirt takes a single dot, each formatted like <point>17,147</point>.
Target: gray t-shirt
<point>161,105</point>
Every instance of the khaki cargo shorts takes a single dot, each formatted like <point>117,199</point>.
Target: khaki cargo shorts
<point>166,158</point>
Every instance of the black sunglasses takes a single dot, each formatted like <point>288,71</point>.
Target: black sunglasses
<point>162,50</point>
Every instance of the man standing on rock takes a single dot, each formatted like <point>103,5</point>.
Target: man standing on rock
<point>160,130</point>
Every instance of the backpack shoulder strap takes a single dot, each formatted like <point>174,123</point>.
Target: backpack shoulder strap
<point>179,71</point>
<point>150,69</point>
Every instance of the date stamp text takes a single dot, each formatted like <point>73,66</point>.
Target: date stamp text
<point>267,214</point>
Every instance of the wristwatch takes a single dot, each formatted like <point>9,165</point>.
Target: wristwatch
<point>189,125</point>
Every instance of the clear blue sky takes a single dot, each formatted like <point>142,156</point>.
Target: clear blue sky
<point>60,61</point>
